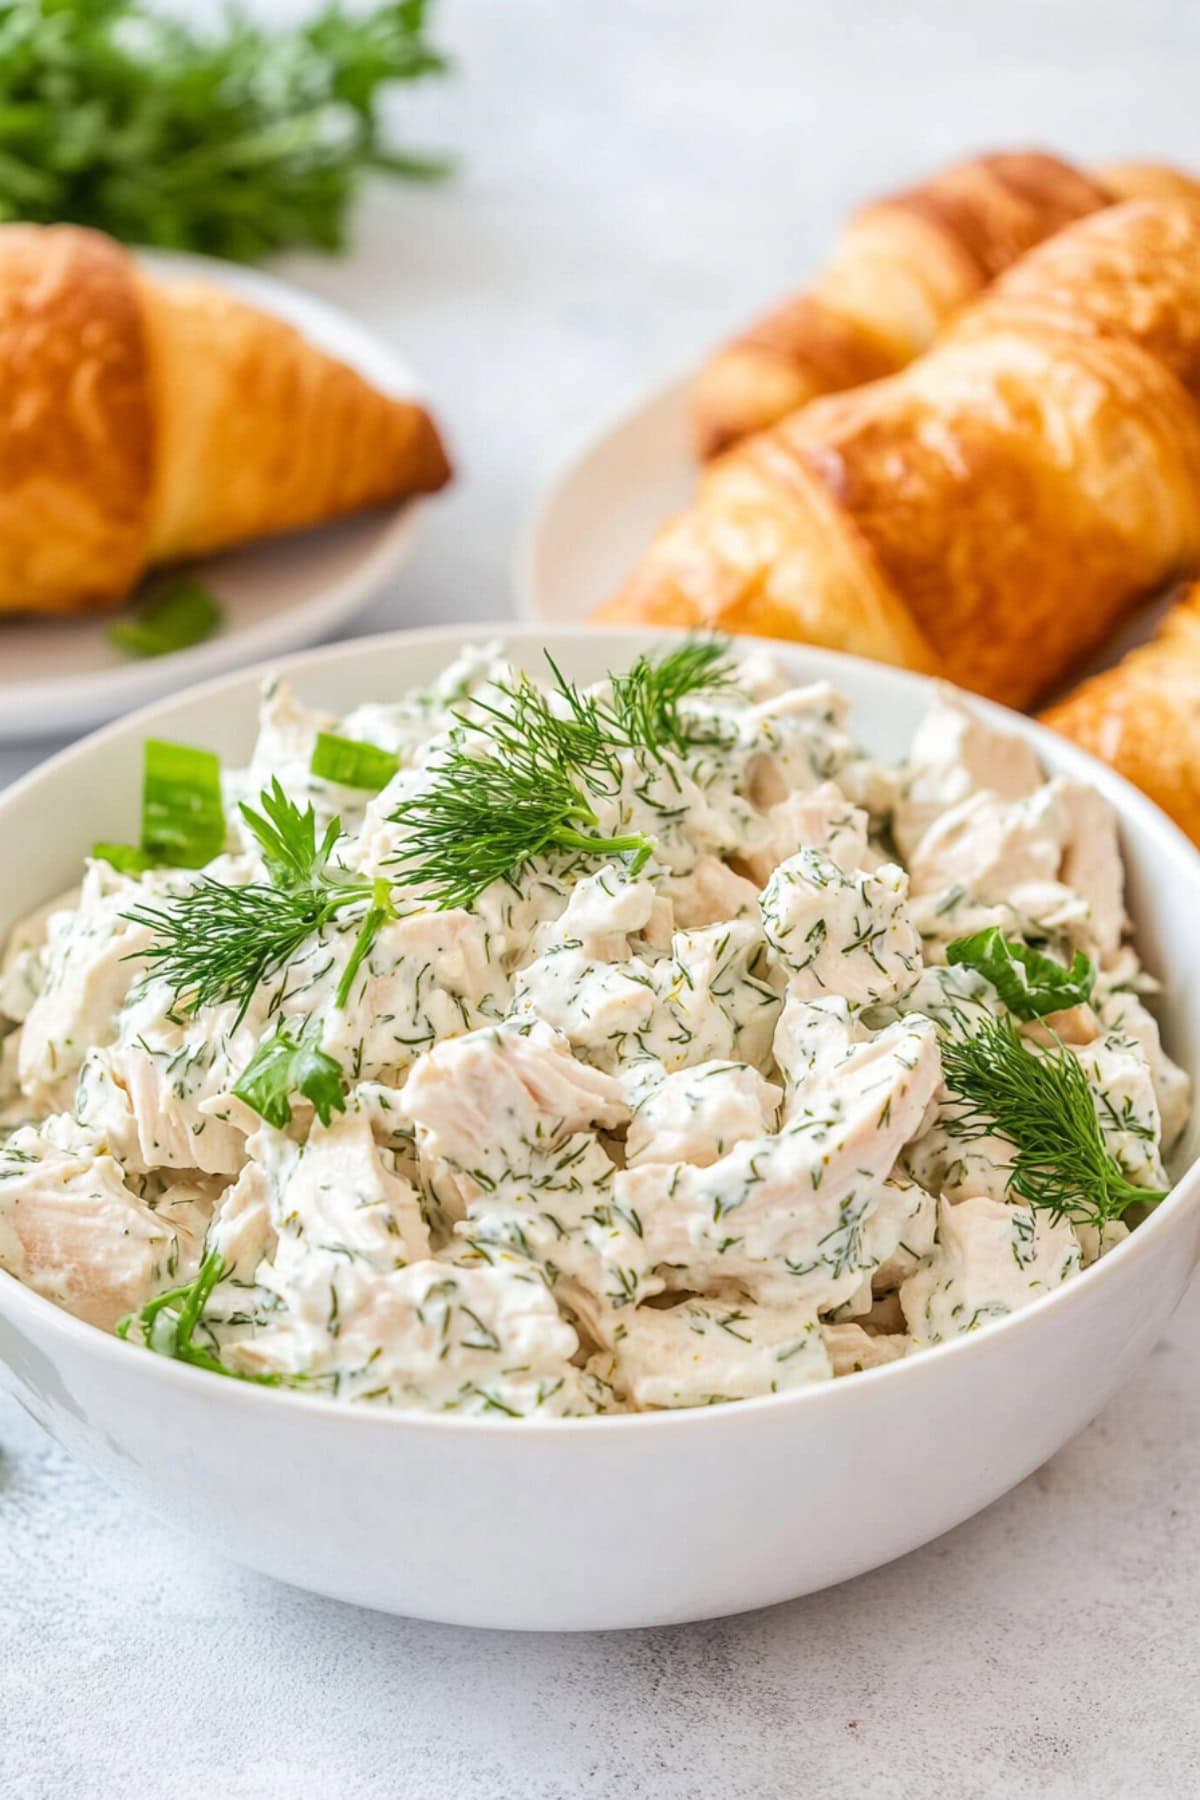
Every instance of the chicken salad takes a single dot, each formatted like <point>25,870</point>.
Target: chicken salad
<point>517,1049</point>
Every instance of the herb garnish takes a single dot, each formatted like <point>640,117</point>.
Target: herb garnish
<point>168,1324</point>
<point>1038,1100</point>
<point>126,858</point>
<point>183,814</point>
<point>352,763</point>
<point>646,701</point>
<point>233,139</point>
<point>488,812</point>
<point>173,617</point>
<point>284,1065</point>
<point>1030,984</point>
<point>218,943</point>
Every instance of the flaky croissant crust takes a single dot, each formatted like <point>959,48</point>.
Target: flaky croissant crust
<point>993,510</point>
<point>902,269</point>
<point>1143,716</point>
<point>143,421</point>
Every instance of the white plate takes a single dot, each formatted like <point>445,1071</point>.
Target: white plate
<point>605,505</point>
<point>635,1519</point>
<point>64,675</point>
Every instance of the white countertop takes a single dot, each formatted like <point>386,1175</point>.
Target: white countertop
<point>635,177</point>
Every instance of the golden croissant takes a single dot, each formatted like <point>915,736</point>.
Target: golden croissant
<point>1143,716</point>
<point>144,421</point>
<point>991,512</point>
<point>902,269</point>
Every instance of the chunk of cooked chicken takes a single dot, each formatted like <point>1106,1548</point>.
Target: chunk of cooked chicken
<point>485,1338</point>
<point>700,1351</point>
<point>821,820</point>
<point>697,1114</point>
<point>955,754</point>
<point>72,1230</point>
<point>841,933</point>
<point>990,1259</point>
<point>784,1216</point>
<point>851,1349</point>
<point>487,1103</point>
<point>90,966</point>
<point>339,1192</point>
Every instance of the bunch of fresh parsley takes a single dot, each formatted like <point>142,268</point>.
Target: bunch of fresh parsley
<point>236,142</point>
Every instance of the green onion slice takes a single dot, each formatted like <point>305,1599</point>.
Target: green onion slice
<point>125,857</point>
<point>352,763</point>
<point>183,820</point>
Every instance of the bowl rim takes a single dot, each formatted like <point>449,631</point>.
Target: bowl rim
<point>1182,1199</point>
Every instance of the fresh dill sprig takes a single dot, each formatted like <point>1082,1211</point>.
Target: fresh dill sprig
<point>1038,1100</point>
<point>581,741</point>
<point>646,701</point>
<point>488,813</point>
<point>485,814</point>
<point>644,711</point>
<point>218,943</point>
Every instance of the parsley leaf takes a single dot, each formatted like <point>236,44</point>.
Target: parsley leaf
<point>236,140</point>
<point>284,1065</point>
<point>1030,984</point>
<point>169,1322</point>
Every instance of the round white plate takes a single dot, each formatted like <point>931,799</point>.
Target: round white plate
<point>605,505</point>
<point>63,675</point>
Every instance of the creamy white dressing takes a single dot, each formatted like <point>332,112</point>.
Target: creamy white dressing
<point>613,1141</point>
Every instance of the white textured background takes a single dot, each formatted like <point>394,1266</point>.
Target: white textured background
<point>636,175</point>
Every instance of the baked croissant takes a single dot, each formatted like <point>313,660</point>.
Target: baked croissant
<point>144,421</point>
<point>902,269</point>
<point>992,511</point>
<point>1143,716</point>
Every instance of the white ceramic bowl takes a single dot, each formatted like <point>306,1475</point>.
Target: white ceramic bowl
<point>638,1520</point>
